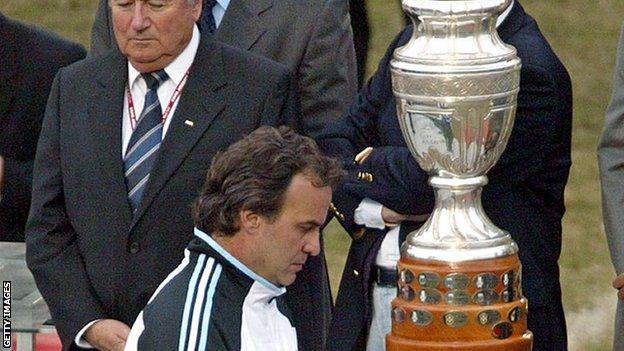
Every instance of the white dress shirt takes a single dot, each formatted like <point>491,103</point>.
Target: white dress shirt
<point>175,70</point>
<point>138,88</point>
<point>218,11</point>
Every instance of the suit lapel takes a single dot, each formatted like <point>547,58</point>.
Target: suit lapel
<point>8,68</point>
<point>106,114</point>
<point>201,100</point>
<point>241,25</point>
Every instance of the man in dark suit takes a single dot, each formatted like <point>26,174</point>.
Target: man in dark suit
<point>30,58</point>
<point>524,195</point>
<point>313,39</point>
<point>125,144</point>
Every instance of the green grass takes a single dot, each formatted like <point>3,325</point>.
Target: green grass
<point>584,34</point>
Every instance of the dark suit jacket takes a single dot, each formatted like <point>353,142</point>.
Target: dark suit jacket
<point>313,39</point>
<point>30,58</point>
<point>91,258</point>
<point>524,196</point>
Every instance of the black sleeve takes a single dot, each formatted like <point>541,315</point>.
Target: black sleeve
<point>52,253</point>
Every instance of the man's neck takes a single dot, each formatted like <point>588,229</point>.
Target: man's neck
<point>235,247</point>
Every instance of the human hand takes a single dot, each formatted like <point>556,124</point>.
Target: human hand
<point>618,283</point>
<point>393,218</point>
<point>107,335</point>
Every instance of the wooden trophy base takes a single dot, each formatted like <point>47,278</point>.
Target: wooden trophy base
<point>475,305</point>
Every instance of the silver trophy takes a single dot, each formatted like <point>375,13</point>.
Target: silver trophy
<point>456,85</point>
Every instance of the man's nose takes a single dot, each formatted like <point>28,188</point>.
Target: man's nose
<point>140,17</point>
<point>313,245</point>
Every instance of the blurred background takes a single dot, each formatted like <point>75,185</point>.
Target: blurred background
<point>584,34</point>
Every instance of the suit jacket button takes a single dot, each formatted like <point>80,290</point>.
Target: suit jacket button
<point>134,247</point>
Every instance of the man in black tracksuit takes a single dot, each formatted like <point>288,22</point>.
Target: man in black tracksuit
<point>257,221</point>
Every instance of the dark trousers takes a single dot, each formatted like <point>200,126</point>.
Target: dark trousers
<point>549,329</point>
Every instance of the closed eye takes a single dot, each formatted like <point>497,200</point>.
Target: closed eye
<point>308,227</point>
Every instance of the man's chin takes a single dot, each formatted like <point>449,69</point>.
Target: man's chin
<point>286,281</point>
<point>147,63</point>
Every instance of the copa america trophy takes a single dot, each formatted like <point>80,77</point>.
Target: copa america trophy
<point>456,85</point>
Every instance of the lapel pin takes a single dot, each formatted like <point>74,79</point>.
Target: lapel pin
<point>189,123</point>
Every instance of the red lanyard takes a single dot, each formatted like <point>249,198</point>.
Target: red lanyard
<point>174,98</point>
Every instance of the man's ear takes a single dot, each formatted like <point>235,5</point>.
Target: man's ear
<point>197,10</point>
<point>250,222</point>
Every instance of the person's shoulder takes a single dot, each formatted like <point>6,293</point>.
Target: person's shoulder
<point>43,43</point>
<point>239,60</point>
<point>94,67</point>
<point>532,46</point>
<point>308,11</point>
<point>306,7</point>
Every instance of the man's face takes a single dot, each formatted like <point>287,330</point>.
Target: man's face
<point>152,33</point>
<point>286,242</point>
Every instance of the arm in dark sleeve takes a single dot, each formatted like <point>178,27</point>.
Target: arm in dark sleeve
<point>102,37</point>
<point>282,106</point>
<point>390,176</point>
<point>52,252</point>
<point>357,128</point>
<point>398,182</point>
<point>540,138</point>
<point>327,73</point>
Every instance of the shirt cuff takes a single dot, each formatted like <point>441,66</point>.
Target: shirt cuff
<point>80,341</point>
<point>368,214</point>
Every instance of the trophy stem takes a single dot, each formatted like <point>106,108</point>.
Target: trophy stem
<point>458,228</point>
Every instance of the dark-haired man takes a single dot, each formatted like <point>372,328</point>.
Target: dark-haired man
<point>257,221</point>
<point>313,39</point>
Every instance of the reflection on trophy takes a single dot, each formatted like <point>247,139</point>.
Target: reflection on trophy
<point>456,85</point>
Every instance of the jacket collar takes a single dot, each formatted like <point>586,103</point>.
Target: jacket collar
<point>242,24</point>
<point>513,23</point>
<point>202,99</point>
<point>209,245</point>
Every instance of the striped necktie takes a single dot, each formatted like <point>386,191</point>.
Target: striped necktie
<point>207,20</point>
<point>142,149</point>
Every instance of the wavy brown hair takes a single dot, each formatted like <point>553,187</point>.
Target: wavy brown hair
<point>254,173</point>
